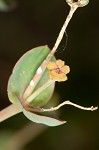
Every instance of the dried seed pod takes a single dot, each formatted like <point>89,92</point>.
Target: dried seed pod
<point>79,3</point>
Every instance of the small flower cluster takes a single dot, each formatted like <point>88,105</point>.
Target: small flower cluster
<point>58,70</point>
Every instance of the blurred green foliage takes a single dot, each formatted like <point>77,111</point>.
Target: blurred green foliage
<point>7,5</point>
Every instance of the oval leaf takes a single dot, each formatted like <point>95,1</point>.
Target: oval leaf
<point>23,73</point>
<point>42,119</point>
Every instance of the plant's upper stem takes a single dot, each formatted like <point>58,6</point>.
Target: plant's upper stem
<point>15,109</point>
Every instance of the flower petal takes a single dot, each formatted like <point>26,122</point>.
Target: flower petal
<point>62,78</point>
<point>57,77</point>
<point>60,63</point>
<point>52,74</point>
<point>65,69</point>
<point>51,65</point>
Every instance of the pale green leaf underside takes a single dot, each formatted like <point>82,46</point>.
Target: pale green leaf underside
<point>42,119</point>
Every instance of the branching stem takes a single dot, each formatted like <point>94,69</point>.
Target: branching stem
<point>14,109</point>
<point>73,104</point>
<point>37,77</point>
<point>39,90</point>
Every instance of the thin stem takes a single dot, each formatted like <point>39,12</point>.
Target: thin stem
<point>73,104</point>
<point>39,90</point>
<point>14,109</point>
<point>63,29</point>
<point>37,77</point>
<point>10,111</point>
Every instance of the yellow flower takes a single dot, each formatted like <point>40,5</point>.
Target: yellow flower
<point>58,70</point>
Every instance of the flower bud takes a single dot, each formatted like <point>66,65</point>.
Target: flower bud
<point>79,3</point>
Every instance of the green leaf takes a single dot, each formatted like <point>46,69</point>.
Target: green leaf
<point>24,72</point>
<point>42,119</point>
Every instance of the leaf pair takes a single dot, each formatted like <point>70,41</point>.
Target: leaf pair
<point>23,73</point>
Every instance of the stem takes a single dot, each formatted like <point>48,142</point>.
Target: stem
<point>37,77</point>
<point>39,90</point>
<point>10,111</point>
<point>73,104</point>
<point>60,36</point>
<point>15,109</point>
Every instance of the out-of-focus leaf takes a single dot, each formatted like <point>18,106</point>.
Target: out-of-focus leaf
<point>23,73</point>
<point>4,137</point>
<point>42,119</point>
<point>7,5</point>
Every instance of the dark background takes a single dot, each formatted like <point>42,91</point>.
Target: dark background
<point>34,23</point>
